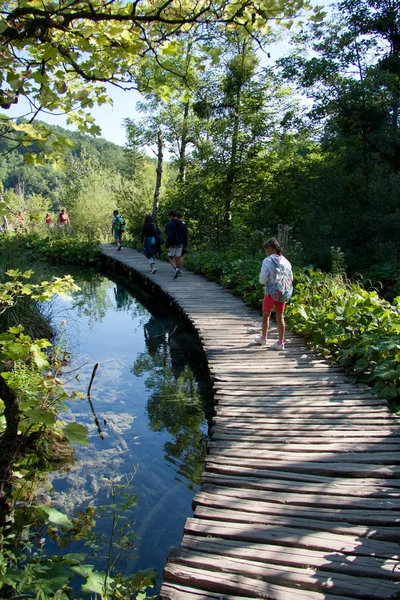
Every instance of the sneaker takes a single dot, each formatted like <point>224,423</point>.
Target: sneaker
<point>260,340</point>
<point>277,346</point>
<point>180,272</point>
<point>153,270</point>
<point>119,247</point>
<point>176,273</point>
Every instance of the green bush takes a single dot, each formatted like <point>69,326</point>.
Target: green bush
<point>64,249</point>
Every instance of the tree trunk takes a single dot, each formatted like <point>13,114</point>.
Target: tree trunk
<point>159,173</point>
<point>184,142</point>
<point>8,448</point>
<point>230,179</point>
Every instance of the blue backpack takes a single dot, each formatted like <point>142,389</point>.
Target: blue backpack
<point>283,286</point>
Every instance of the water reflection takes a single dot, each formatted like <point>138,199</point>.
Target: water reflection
<point>122,299</point>
<point>149,395</point>
<point>175,404</point>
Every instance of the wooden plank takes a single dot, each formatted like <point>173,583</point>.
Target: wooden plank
<point>315,516</point>
<point>263,468</point>
<point>332,433</point>
<point>223,399</point>
<point>175,591</point>
<point>328,411</point>
<point>306,445</point>
<point>241,515</point>
<point>345,391</point>
<point>292,577</point>
<point>337,562</point>
<point>294,538</point>
<point>356,424</point>
<point>285,454</point>
<point>311,484</point>
<point>238,584</point>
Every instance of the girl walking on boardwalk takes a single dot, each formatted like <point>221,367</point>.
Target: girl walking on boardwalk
<point>151,241</point>
<point>276,274</point>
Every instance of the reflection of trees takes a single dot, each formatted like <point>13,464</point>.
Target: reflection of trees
<point>175,405</point>
<point>91,300</point>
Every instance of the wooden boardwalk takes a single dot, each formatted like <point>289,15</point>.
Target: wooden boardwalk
<point>300,492</point>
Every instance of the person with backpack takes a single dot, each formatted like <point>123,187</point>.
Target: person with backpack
<point>185,240</point>
<point>118,228</point>
<point>151,240</point>
<point>174,243</point>
<point>276,274</point>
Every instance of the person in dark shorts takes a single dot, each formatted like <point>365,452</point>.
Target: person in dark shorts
<point>174,243</point>
<point>185,241</point>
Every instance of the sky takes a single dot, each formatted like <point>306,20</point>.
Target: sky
<point>109,118</point>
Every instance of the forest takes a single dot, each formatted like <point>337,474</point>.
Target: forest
<point>254,115</point>
<point>310,140</point>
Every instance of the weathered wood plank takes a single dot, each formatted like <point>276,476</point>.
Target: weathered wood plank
<point>285,454</point>
<point>308,484</point>
<point>263,468</point>
<point>238,584</point>
<point>306,445</point>
<point>376,435</point>
<point>244,514</point>
<point>297,402</point>
<point>293,537</point>
<point>297,505</point>
<point>292,577</point>
<point>176,591</point>
<point>337,562</point>
<point>321,412</point>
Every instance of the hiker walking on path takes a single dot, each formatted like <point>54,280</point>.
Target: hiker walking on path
<point>174,243</point>
<point>151,240</point>
<point>276,274</point>
<point>118,228</point>
<point>21,220</point>
<point>48,219</point>
<point>185,239</point>
<point>63,218</point>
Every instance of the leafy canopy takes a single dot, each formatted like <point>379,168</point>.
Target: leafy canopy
<point>59,54</point>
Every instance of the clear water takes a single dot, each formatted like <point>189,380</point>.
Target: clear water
<point>149,395</point>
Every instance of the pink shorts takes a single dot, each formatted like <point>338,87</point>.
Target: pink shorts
<point>269,302</point>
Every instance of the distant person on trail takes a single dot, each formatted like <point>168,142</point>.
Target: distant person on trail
<point>276,274</point>
<point>21,219</point>
<point>185,240</point>
<point>4,226</point>
<point>48,219</point>
<point>118,228</point>
<point>174,243</point>
<point>151,240</point>
<point>63,218</point>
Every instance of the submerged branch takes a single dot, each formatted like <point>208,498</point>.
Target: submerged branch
<point>91,403</point>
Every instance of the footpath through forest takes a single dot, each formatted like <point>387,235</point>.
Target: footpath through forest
<point>300,492</point>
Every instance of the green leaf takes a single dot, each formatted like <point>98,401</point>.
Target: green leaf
<point>56,517</point>
<point>95,584</point>
<point>76,433</point>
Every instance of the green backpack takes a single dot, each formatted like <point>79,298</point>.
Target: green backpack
<point>120,223</point>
